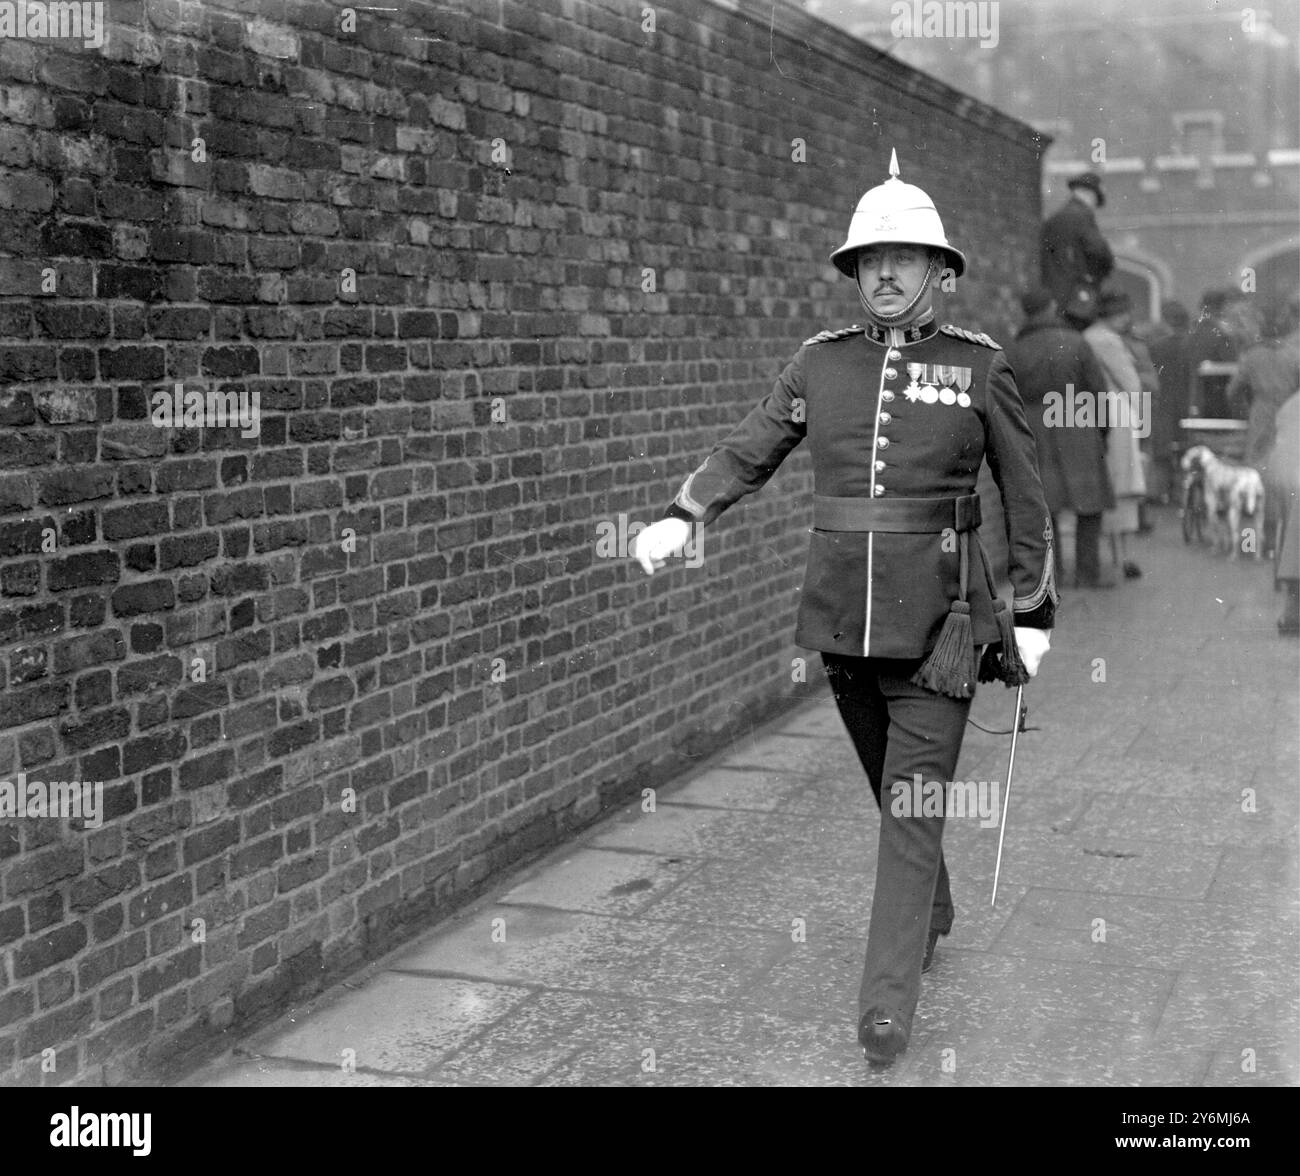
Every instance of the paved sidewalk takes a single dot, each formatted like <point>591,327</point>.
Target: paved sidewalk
<point>664,948</point>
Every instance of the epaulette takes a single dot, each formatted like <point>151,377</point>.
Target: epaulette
<point>970,336</point>
<point>831,336</point>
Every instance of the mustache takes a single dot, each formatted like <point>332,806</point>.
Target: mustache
<point>888,288</point>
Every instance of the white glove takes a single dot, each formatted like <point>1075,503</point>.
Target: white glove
<point>1032,644</point>
<point>658,541</point>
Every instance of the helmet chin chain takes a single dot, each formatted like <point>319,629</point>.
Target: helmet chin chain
<point>881,319</point>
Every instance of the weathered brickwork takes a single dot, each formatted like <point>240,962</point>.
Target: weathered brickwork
<point>496,275</point>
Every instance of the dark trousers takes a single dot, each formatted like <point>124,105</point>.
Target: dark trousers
<point>899,730</point>
<point>1087,548</point>
<point>1271,524</point>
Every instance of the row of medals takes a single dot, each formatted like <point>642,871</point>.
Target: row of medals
<point>927,391</point>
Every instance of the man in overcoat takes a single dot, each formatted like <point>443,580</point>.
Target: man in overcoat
<point>1169,355</point>
<point>1057,375</point>
<point>898,412</point>
<point>1211,339</point>
<point>1074,258</point>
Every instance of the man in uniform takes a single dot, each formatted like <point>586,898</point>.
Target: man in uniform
<point>897,595</point>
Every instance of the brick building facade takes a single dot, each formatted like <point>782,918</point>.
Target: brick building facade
<point>497,276</point>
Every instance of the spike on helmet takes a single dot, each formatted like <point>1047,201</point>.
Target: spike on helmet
<point>895,213</point>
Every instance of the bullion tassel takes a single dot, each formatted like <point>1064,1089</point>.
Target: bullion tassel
<point>950,668</point>
<point>1002,662</point>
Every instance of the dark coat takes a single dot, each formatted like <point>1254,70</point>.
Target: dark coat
<point>1047,357</point>
<point>1284,459</point>
<point>1209,340</point>
<point>1268,375</point>
<point>1170,357</point>
<point>873,436</point>
<point>1072,252</point>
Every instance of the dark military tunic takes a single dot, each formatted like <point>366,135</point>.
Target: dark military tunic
<point>876,432</point>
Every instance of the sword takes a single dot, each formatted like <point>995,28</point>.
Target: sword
<point>1011,767</point>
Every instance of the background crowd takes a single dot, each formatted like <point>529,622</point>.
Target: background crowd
<point>1237,362</point>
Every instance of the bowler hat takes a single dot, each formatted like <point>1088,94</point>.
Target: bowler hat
<point>1091,181</point>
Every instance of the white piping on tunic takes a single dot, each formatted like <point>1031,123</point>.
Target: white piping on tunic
<point>866,633</point>
<point>894,338</point>
<point>684,499</point>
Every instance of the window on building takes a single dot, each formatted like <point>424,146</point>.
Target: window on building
<point>1199,132</point>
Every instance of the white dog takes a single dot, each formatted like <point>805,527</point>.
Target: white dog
<point>1231,492</point>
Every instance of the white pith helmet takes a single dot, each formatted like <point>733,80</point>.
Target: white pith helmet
<point>899,214</point>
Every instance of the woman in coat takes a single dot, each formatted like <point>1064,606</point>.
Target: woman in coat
<point>1123,455</point>
<point>1284,467</point>
<point>1267,374</point>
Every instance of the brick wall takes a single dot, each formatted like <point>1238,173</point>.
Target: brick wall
<point>236,634</point>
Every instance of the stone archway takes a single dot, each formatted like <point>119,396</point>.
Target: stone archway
<point>1145,280</point>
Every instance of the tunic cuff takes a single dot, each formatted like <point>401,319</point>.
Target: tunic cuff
<point>1043,616</point>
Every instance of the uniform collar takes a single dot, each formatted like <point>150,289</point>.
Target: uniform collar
<point>914,332</point>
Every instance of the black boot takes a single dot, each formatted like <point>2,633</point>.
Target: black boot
<point>881,1036</point>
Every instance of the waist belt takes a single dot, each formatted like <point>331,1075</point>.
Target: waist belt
<point>908,515</point>
<point>952,665</point>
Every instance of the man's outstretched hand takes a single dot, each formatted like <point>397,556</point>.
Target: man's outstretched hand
<point>658,541</point>
<point>1032,644</point>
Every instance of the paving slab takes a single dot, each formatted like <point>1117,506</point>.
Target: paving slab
<point>1262,879</point>
<point>632,957</point>
<point>731,787</point>
<point>969,997</point>
<point>763,791</point>
<point>563,1039</point>
<point>395,1023</point>
<point>280,1074</point>
<point>1221,819</point>
<point>1100,771</point>
<point>1024,1052</point>
<point>732,894</point>
<point>1133,929</point>
<point>675,830</point>
<point>602,882</point>
<point>788,753</point>
<point>1084,861</point>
